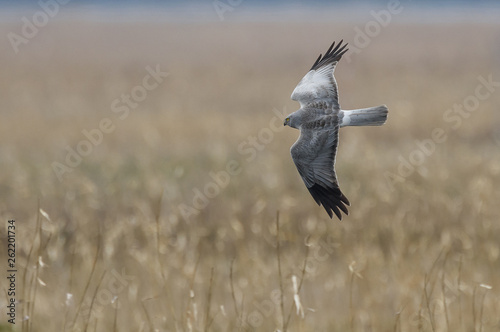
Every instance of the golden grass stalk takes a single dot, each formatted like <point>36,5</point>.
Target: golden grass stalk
<point>487,288</point>
<point>459,279</point>
<point>93,300</point>
<point>191,310</point>
<point>443,290</point>
<point>26,290</point>
<point>69,295</point>
<point>278,254</point>
<point>233,296</point>
<point>208,320</point>
<point>397,321</point>
<point>94,264</point>
<point>115,318</point>
<point>474,319</point>
<point>297,291</point>
<point>427,302</point>
<point>351,306</point>
<point>148,317</point>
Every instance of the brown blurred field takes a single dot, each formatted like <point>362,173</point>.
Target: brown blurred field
<point>419,254</point>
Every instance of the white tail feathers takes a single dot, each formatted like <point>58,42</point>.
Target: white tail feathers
<point>372,116</point>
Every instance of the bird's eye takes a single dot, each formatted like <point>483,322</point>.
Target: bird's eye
<point>287,119</point>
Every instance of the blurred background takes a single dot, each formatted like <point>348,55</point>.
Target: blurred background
<point>144,161</point>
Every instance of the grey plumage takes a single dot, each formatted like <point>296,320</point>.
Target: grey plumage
<point>372,116</point>
<point>319,120</point>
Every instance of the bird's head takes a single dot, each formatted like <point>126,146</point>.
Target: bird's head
<point>290,121</point>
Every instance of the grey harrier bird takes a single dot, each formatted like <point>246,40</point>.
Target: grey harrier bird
<point>319,120</point>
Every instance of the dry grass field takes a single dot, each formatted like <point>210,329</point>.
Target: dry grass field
<point>158,212</point>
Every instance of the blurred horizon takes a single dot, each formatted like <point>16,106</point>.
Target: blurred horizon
<point>318,10</point>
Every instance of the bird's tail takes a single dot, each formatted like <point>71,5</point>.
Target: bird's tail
<point>372,116</point>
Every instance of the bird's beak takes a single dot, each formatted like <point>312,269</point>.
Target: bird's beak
<point>284,123</point>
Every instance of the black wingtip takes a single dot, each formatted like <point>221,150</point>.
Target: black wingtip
<point>332,199</point>
<point>333,54</point>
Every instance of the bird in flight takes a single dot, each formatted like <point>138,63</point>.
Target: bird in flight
<point>319,120</point>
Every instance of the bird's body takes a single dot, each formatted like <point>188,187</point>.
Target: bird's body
<point>319,120</point>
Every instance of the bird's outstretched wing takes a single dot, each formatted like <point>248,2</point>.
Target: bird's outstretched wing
<point>319,84</point>
<point>314,155</point>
